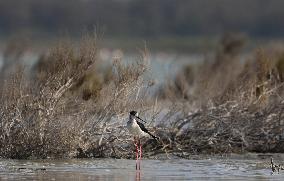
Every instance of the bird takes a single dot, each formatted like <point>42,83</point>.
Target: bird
<point>138,130</point>
<point>275,167</point>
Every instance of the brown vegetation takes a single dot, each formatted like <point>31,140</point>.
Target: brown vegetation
<point>240,104</point>
<point>66,107</point>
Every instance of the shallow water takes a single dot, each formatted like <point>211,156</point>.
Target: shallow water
<point>119,169</point>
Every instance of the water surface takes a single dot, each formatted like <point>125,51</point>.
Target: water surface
<point>120,169</point>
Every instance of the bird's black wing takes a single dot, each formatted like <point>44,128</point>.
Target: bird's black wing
<point>142,127</point>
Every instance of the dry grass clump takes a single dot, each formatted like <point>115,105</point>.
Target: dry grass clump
<point>259,83</point>
<point>228,77</point>
<point>127,90</point>
<point>31,107</point>
<point>209,80</point>
<point>228,128</point>
<point>65,108</point>
<point>238,105</point>
<point>68,107</point>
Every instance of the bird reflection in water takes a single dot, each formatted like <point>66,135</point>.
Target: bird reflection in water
<point>138,175</point>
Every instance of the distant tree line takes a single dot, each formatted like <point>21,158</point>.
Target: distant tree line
<point>144,17</point>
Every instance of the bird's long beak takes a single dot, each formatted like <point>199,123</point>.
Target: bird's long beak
<point>141,119</point>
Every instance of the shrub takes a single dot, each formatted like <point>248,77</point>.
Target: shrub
<point>65,107</point>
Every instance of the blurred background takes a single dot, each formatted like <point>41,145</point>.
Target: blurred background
<point>184,31</point>
<point>184,25</point>
<point>221,59</point>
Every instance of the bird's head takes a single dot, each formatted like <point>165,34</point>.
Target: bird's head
<point>134,114</point>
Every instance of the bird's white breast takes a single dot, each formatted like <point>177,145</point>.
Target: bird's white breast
<point>134,128</point>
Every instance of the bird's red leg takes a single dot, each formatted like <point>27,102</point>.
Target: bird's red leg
<point>140,152</point>
<point>135,143</point>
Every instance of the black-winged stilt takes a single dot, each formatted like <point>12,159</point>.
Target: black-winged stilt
<point>137,129</point>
